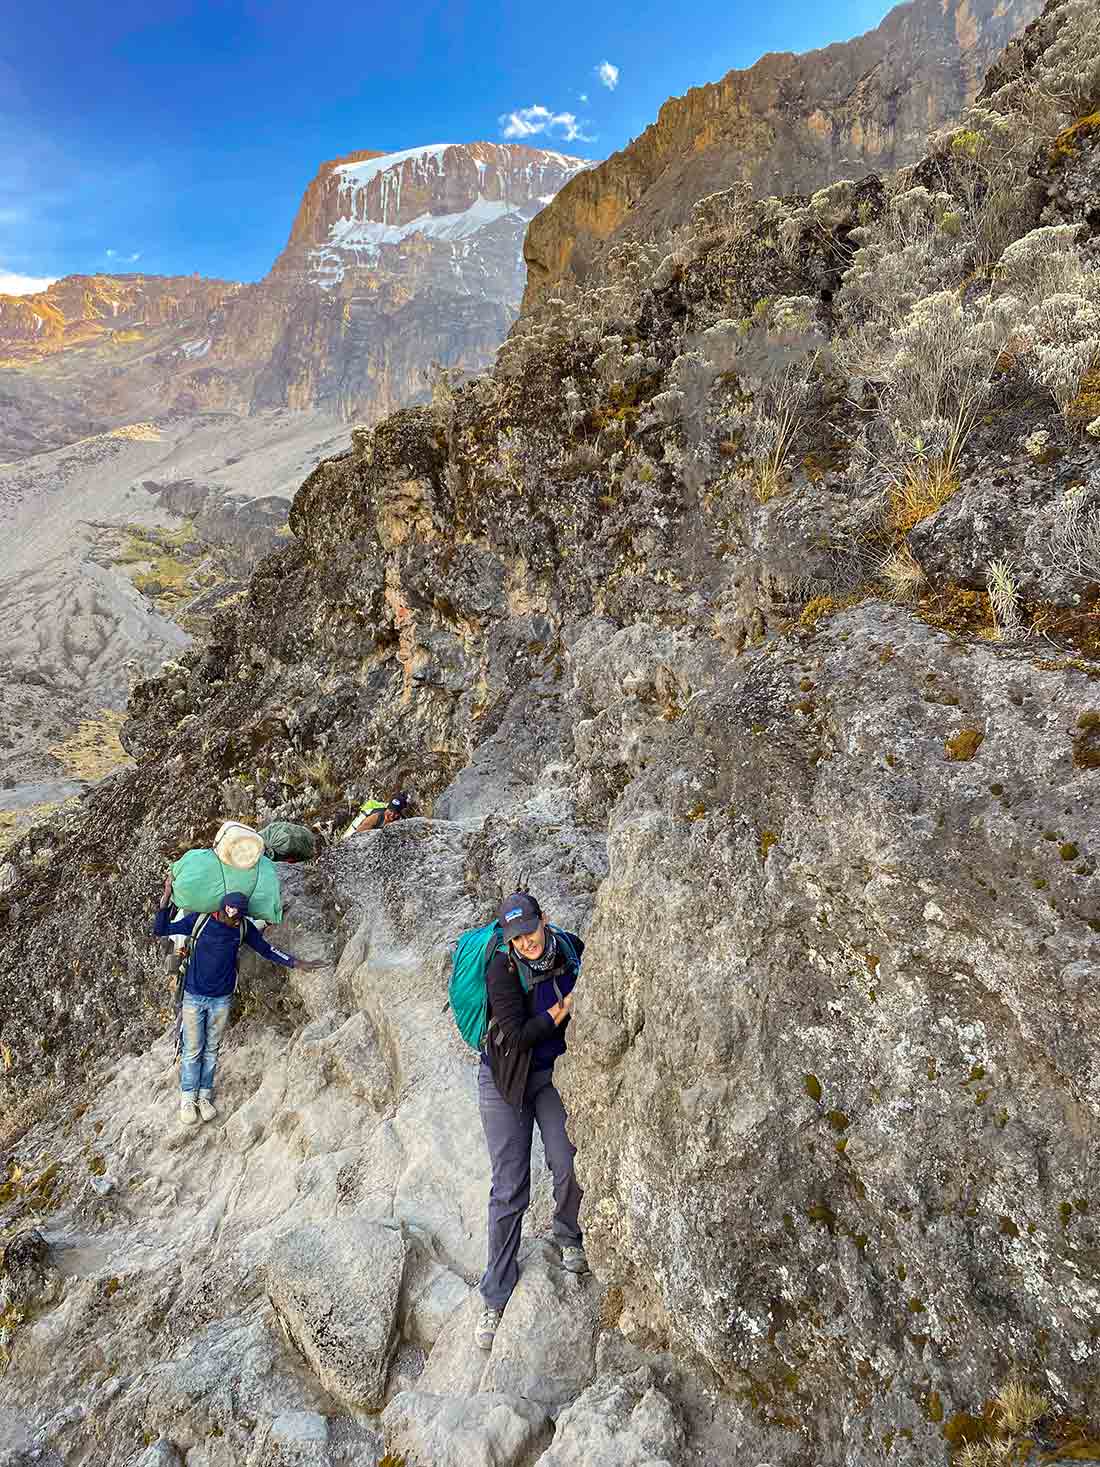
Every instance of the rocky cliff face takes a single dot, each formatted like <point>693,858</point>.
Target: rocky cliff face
<point>748,607</point>
<point>473,200</point>
<point>788,124</point>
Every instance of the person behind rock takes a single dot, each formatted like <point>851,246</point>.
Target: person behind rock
<point>208,990</point>
<point>375,813</point>
<point>530,993</point>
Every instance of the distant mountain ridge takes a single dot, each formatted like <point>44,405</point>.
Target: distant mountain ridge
<point>788,124</point>
<point>80,310</point>
<point>394,261</point>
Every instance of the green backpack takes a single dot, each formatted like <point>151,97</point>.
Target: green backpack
<point>467,994</point>
<point>285,841</point>
<point>466,991</point>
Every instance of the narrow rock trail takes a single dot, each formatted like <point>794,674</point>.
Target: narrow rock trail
<point>258,1289</point>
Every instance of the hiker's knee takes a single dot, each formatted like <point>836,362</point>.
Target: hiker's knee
<point>192,1032</point>
<point>510,1195</point>
<point>215,1027</point>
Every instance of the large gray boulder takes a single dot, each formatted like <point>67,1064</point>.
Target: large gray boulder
<point>620,1421</point>
<point>544,1349</point>
<point>335,1288</point>
<point>546,1344</point>
<point>456,1365</point>
<point>487,1430</point>
<point>837,1006</point>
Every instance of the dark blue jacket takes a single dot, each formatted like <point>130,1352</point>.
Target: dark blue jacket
<point>543,998</point>
<point>523,1014</point>
<point>212,968</point>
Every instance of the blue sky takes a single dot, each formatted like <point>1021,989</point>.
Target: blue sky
<point>173,136</point>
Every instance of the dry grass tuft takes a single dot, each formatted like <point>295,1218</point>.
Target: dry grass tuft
<point>95,749</point>
<point>925,486</point>
<point>320,772</point>
<point>988,1454</point>
<point>902,573</point>
<point>137,432</point>
<point>1020,1407</point>
<point>1004,598</point>
<point>1016,1410</point>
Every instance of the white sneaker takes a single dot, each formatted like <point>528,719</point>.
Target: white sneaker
<point>189,1113</point>
<point>207,1109</point>
<point>487,1327</point>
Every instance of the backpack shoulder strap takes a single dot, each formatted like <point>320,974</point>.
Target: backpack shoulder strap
<point>569,952</point>
<point>567,947</point>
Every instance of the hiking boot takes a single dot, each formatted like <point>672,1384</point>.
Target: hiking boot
<point>573,1259</point>
<point>487,1327</point>
<point>207,1109</point>
<point>189,1113</point>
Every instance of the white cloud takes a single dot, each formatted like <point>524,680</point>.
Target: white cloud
<point>527,122</point>
<point>12,283</point>
<point>126,259</point>
<point>608,75</point>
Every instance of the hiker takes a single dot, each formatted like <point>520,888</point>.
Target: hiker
<point>373,814</point>
<point>529,983</point>
<point>211,977</point>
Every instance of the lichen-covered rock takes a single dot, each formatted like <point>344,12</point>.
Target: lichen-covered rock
<point>335,1290</point>
<point>834,937</point>
<point>29,1282</point>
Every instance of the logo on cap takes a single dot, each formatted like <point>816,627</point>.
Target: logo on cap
<point>515,912</point>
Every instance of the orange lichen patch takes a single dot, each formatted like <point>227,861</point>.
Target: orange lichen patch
<point>1066,144</point>
<point>963,745</point>
<point>1077,627</point>
<point>1086,405</point>
<point>955,609</point>
<point>821,606</point>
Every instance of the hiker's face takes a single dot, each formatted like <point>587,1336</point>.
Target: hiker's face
<point>231,914</point>
<point>531,944</point>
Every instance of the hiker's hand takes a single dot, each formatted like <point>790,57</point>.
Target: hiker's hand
<point>561,1011</point>
<point>308,965</point>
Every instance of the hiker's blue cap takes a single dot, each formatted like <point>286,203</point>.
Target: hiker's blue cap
<point>235,899</point>
<point>399,802</point>
<point>518,915</point>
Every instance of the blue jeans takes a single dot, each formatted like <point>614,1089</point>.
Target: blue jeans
<point>204,1021</point>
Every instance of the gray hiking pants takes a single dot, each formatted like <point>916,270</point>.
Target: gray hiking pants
<point>509,1133</point>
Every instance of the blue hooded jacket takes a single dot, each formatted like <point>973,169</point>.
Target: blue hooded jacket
<point>212,967</point>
